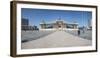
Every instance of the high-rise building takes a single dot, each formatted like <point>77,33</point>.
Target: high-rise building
<point>89,24</point>
<point>24,22</point>
<point>25,25</point>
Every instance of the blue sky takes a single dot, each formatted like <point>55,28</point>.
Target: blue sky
<point>35,16</point>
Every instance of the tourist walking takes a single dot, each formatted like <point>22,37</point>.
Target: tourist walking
<point>79,32</point>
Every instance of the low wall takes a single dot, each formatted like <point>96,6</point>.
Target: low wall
<point>56,29</point>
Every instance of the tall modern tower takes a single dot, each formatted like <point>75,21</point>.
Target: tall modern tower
<point>90,23</point>
<point>24,22</point>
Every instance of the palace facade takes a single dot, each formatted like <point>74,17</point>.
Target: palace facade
<point>58,25</point>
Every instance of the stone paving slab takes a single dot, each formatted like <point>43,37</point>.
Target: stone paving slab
<point>57,39</point>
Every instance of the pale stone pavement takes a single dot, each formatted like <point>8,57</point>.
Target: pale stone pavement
<point>57,39</point>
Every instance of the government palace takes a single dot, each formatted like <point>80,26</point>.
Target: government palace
<point>58,25</point>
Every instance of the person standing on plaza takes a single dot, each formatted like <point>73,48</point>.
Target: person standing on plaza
<point>79,32</point>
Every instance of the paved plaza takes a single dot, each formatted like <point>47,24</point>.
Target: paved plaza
<point>52,39</point>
